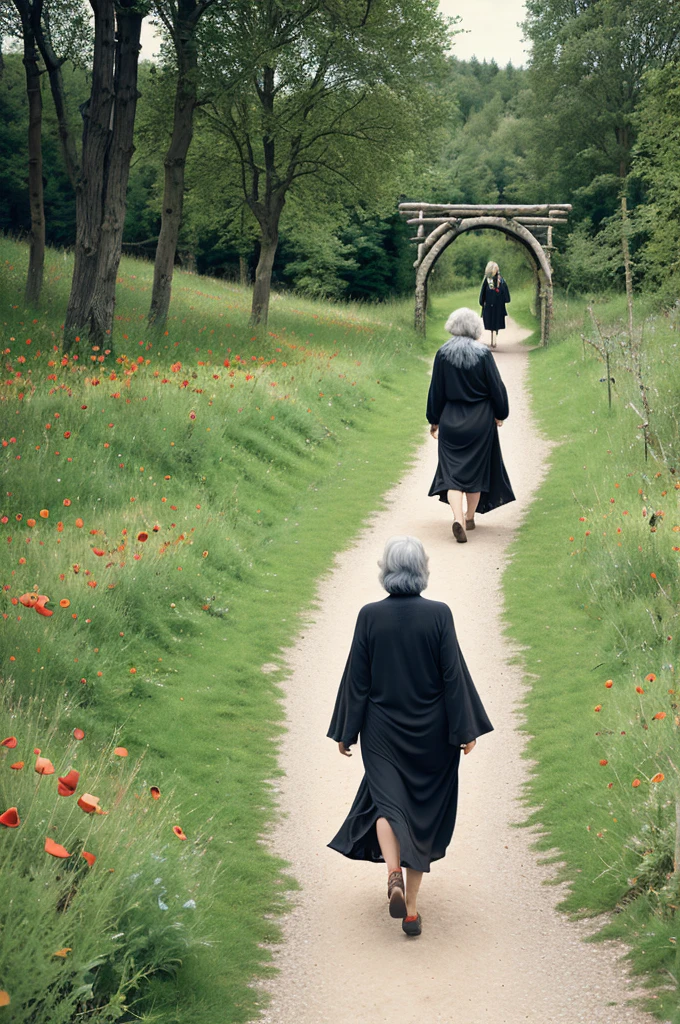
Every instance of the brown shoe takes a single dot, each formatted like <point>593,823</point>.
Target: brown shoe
<point>469,524</point>
<point>459,533</point>
<point>395,894</point>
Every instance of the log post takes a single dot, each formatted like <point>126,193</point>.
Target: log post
<point>421,305</point>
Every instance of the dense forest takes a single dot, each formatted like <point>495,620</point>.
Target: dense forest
<point>589,121</point>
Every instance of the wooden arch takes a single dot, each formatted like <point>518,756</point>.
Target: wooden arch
<point>449,221</point>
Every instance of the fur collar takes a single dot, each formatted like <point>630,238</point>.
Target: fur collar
<point>463,352</point>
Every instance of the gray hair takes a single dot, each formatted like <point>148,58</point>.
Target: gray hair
<point>491,269</point>
<point>404,566</point>
<point>464,323</point>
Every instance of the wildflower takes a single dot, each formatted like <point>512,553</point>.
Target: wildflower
<point>659,777</point>
<point>44,513</point>
<point>178,832</point>
<point>10,742</point>
<point>64,603</point>
<point>89,857</point>
<point>651,678</point>
<point>659,715</point>
<point>10,819</point>
<point>43,765</point>
<point>142,536</point>
<point>78,734</point>
<point>79,524</point>
<point>604,761</point>
<point>55,849</point>
<point>638,689</point>
<point>155,793</point>
<point>598,707</point>
<point>66,785</point>
<point>66,502</point>
<point>89,803</point>
<point>635,783</point>
<point>609,684</point>
<point>120,752</point>
<point>17,766</point>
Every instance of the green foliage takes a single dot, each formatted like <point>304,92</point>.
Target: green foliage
<point>607,522</point>
<point>328,403</point>
<point>80,939</point>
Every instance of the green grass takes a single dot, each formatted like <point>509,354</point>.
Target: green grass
<point>592,596</point>
<point>246,479</point>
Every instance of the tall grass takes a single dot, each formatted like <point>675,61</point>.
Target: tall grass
<point>193,484</point>
<point>600,631</point>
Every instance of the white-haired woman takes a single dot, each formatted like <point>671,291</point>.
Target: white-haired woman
<point>466,405</point>
<point>407,692</point>
<point>493,297</point>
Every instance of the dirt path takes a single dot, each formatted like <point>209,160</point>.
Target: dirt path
<point>493,950</point>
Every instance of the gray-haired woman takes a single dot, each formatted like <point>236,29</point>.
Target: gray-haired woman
<point>407,692</point>
<point>466,405</point>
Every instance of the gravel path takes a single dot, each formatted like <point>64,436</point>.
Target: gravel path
<point>493,950</point>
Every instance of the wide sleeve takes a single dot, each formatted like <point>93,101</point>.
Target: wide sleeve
<point>350,704</point>
<point>436,399</point>
<point>465,712</point>
<point>497,390</point>
<point>505,294</point>
<point>482,293</point>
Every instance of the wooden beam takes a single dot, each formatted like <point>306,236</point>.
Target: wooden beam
<point>467,209</point>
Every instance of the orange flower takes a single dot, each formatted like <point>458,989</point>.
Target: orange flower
<point>88,803</point>
<point>651,678</point>
<point>78,734</point>
<point>28,600</point>
<point>67,502</point>
<point>68,784</point>
<point>17,766</point>
<point>638,689</point>
<point>10,742</point>
<point>598,707</point>
<point>155,792</point>
<point>98,552</point>
<point>43,765</point>
<point>64,603</point>
<point>4,998</point>
<point>30,522</point>
<point>121,752</point>
<point>609,684</point>
<point>10,819</point>
<point>55,850</point>
<point>40,606</point>
<point>178,832</point>
<point>63,952</point>
<point>89,857</point>
<point>142,536</point>
<point>635,783</point>
<point>659,777</point>
<point>659,715</point>
<point>79,524</point>
<point>44,513</point>
<point>60,527</point>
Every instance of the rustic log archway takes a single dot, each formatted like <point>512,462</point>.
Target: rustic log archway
<point>514,221</point>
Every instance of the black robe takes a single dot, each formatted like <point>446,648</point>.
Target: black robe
<point>466,402</point>
<point>407,692</point>
<point>492,301</point>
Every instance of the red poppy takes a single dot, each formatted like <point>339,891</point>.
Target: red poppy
<point>17,766</point>
<point>30,522</point>
<point>98,552</point>
<point>44,513</point>
<point>121,751</point>
<point>178,832</point>
<point>68,784</point>
<point>598,707</point>
<point>609,684</point>
<point>4,998</point>
<point>55,849</point>
<point>28,600</point>
<point>142,536</point>
<point>78,734</point>
<point>40,606</point>
<point>88,803</point>
<point>10,819</point>
<point>651,678</point>
<point>89,857</point>
<point>635,783</point>
<point>64,603</point>
<point>155,792</point>
<point>638,689</point>
<point>10,742</point>
<point>67,502</point>
<point>79,524</point>
<point>604,761</point>
<point>659,715</point>
<point>43,765</point>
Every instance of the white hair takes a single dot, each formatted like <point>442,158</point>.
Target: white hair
<point>491,269</point>
<point>464,323</point>
<point>404,566</point>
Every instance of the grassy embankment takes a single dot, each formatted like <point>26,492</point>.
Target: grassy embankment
<point>176,503</point>
<point>592,594</point>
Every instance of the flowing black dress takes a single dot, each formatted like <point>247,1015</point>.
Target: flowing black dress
<point>466,401</point>
<point>407,691</point>
<point>492,301</point>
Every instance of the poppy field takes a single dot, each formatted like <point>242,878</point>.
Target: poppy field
<point>601,636</point>
<point>167,505</point>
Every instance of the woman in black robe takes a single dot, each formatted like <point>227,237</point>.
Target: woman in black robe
<point>407,692</point>
<point>466,405</point>
<point>493,298</point>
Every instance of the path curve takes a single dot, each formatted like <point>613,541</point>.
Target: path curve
<point>494,950</point>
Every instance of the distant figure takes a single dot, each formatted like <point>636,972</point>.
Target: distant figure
<point>493,298</point>
<point>407,692</point>
<point>466,405</point>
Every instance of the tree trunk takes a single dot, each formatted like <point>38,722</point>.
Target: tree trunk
<point>269,241</point>
<point>625,248</point>
<point>91,181</point>
<point>129,27</point>
<point>53,65</point>
<point>175,163</point>
<point>36,260</point>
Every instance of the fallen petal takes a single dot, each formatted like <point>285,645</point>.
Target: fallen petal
<point>10,819</point>
<point>55,850</point>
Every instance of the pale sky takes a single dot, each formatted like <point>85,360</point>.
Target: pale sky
<point>492,30</point>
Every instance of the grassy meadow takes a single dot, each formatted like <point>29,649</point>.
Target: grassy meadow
<point>167,508</point>
<point>599,630</point>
